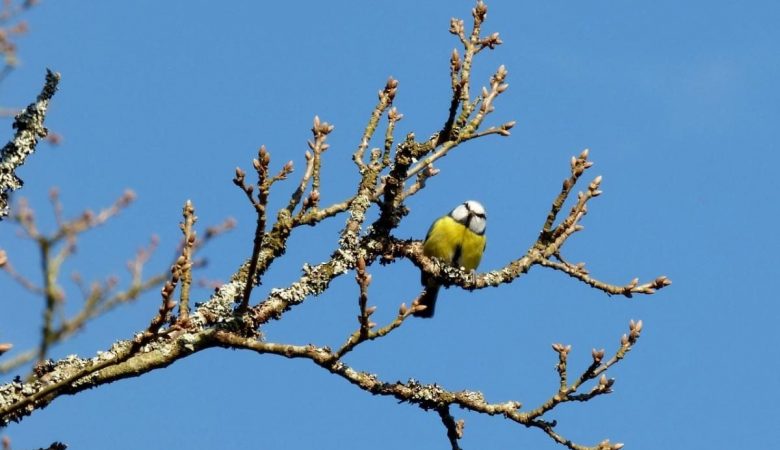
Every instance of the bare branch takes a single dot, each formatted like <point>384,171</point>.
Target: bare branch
<point>29,128</point>
<point>361,336</point>
<point>229,319</point>
<point>633,287</point>
<point>264,186</point>
<point>424,396</point>
<point>188,243</point>
<point>454,429</point>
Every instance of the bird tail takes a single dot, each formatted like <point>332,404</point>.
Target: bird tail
<point>428,298</point>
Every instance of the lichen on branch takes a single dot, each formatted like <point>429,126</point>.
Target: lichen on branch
<point>29,129</point>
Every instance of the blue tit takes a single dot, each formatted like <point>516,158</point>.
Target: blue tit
<point>457,239</point>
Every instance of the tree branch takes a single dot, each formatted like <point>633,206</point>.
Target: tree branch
<point>454,429</point>
<point>29,128</point>
<point>230,319</point>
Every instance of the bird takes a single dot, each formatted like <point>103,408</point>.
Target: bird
<point>457,239</point>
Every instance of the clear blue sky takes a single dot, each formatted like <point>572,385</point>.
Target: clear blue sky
<point>678,102</point>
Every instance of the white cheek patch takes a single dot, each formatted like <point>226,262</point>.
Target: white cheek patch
<point>477,224</point>
<point>460,214</point>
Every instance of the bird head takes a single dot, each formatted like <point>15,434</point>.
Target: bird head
<point>471,214</point>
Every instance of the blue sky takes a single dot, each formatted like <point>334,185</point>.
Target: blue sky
<point>678,103</point>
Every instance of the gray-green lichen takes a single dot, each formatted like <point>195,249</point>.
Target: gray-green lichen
<point>29,128</point>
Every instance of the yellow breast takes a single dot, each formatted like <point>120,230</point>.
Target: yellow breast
<point>454,243</point>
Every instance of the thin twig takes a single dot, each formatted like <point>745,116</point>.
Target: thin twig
<point>260,204</point>
<point>454,429</point>
<point>188,212</point>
